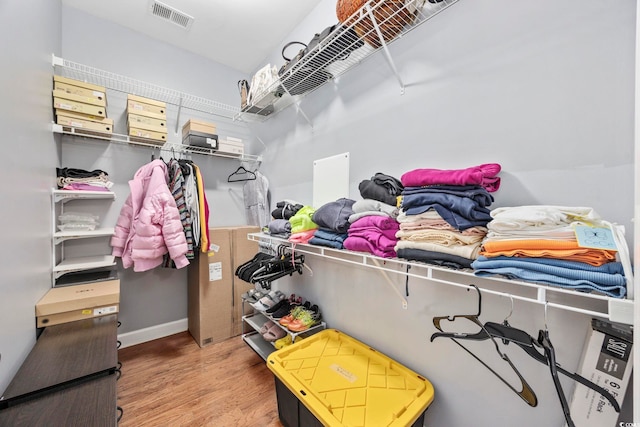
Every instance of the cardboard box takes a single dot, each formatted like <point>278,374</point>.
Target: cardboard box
<point>57,93</point>
<point>146,107</point>
<point>199,139</point>
<point>133,123</point>
<point>607,360</point>
<point>147,135</point>
<point>215,302</point>
<point>193,125</point>
<point>76,302</point>
<point>210,291</point>
<point>79,107</point>
<point>78,87</point>
<point>230,147</point>
<point>83,125</point>
<point>137,121</point>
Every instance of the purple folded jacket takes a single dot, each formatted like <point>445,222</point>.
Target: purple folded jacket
<point>484,175</point>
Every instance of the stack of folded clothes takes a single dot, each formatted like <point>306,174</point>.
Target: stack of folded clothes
<point>373,234</point>
<point>83,180</point>
<point>279,228</point>
<point>285,209</point>
<point>333,222</point>
<point>381,187</point>
<point>539,244</point>
<point>444,214</point>
<point>302,225</point>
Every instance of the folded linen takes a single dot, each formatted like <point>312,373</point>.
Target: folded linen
<point>484,175</point>
<point>608,279</point>
<point>432,257</point>
<point>541,248</point>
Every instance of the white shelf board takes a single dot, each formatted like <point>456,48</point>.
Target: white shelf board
<point>61,236</point>
<point>84,263</point>
<point>59,195</point>
<point>258,344</point>
<point>617,309</point>
<point>175,147</point>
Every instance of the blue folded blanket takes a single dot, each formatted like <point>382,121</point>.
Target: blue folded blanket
<point>608,279</point>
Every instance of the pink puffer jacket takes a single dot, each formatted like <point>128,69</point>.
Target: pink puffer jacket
<point>149,224</point>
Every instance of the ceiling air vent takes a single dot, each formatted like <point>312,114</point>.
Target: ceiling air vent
<point>170,14</point>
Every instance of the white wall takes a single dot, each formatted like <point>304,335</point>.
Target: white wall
<point>28,172</point>
<point>544,88</point>
<point>159,296</point>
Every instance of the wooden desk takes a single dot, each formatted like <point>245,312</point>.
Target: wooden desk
<point>91,403</point>
<point>69,374</point>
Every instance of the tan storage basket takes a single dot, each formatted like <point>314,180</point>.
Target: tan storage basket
<point>390,15</point>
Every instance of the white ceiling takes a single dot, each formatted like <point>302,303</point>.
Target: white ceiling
<point>237,33</point>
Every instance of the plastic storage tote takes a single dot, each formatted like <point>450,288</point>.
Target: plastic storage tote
<point>331,379</point>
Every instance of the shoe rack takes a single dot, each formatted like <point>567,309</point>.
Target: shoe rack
<point>255,320</point>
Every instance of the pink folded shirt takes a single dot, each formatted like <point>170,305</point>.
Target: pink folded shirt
<point>484,175</point>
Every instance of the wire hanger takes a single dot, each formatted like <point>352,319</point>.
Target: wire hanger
<point>241,174</point>
<point>526,393</point>
<point>508,334</point>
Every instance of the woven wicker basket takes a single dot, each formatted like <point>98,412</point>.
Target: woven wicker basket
<point>390,15</point>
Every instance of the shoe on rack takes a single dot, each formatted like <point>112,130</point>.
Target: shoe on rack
<point>282,303</point>
<point>274,333</point>
<point>283,311</point>
<point>267,325</point>
<point>268,301</point>
<point>293,314</point>
<point>308,318</point>
<point>283,342</point>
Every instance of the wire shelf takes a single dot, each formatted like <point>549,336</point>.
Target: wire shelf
<point>614,309</point>
<point>373,27</point>
<point>132,86</point>
<point>174,147</point>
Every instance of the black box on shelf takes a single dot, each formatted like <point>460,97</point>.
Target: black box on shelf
<point>201,139</point>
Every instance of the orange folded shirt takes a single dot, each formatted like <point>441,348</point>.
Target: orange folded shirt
<point>541,248</point>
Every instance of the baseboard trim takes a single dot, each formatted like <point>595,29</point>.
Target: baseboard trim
<point>153,333</point>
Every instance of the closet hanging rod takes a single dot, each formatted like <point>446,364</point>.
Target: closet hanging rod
<point>176,147</point>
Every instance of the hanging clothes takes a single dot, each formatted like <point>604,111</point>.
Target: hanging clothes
<point>191,200</point>
<point>176,186</point>
<point>256,200</point>
<point>149,223</point>
<point>204,210</point>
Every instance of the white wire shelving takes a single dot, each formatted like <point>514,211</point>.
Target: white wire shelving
<point>372,28</point>
<point>591,304</point>
<point>124,84</point>
<point>174,147</point>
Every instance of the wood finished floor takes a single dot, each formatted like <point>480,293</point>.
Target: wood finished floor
<point>173,382</point>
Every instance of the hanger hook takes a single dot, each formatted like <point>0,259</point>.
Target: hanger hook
<point>511,310</point>
<point>479,299</point>
<point>546,304</point>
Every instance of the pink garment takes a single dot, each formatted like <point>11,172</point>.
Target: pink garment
<point>360,244</point>
<point>84,187</point>
<point>484,175</point>
<point>303,236</point>
<point>149,224</point>
<point>381,222</point>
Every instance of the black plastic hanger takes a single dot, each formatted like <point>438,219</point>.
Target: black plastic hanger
<point>241,174</point>
<point>526,393</point>
<point>508,334</point>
